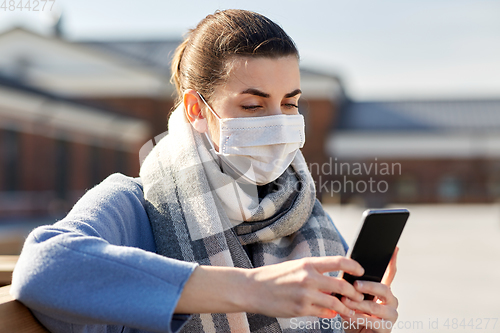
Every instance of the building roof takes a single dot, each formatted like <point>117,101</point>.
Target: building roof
<point>153,53</point>
<point>26,108</point>
<point>417,129</point>
<point>77,69</point>
<point>26,87</point>
<point>438,115</point>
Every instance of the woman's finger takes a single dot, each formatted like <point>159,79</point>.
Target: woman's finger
<point>390,272</point>
<point>322,300</point>
<point>385,312</point>
<point>371,323</point>
<point>381,291</point>
<point>336,263</point>
<point>331,285</point>
<point>320,312</point>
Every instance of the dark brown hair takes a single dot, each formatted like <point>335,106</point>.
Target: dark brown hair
<point>201,61</point>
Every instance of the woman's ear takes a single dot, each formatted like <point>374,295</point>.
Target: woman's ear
<point>192,105</point>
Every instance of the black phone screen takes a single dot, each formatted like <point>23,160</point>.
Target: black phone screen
<point>376,242</point>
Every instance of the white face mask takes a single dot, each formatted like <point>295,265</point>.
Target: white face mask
<point>257,150</point>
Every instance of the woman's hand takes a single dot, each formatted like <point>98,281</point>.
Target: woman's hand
<point>379,314</point>
<point>293,288</point>
<point>298,288</point>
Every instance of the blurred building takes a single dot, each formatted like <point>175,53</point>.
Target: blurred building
<point>72,113</point>
<point>53,148</point>
<point>426,151</point>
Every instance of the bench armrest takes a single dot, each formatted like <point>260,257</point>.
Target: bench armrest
<point>7,264</point>
<point>15,317</point>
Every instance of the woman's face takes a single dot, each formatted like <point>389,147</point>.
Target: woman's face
<point>255,87</point>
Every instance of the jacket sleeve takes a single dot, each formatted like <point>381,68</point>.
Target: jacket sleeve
<point>97,268</point>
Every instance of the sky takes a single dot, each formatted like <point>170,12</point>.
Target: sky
<point>383,49</point>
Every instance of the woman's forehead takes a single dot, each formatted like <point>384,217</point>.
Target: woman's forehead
<point>269,75</point>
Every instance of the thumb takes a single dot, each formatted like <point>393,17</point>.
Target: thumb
<point>390,273</point>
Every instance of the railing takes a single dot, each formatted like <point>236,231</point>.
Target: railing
<point>14,316</point>
<point>7,264</point>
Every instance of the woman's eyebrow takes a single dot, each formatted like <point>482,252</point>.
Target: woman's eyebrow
<point>293,93</point>
<point>256,92</point>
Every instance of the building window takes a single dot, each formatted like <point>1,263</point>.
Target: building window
<point>121,162</point>
<point>407,188</point>
<point>494,187</point>
<point>11,148</point>
<point>95,165</point>
<point>450,188</point>
<point>63,168</point>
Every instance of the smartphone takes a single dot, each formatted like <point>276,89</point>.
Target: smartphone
<point>375,243</point>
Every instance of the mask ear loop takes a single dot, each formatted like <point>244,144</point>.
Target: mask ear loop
<point>207,133</point>
<point>215,114</point>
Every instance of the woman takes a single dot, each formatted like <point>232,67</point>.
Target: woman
<point>223,205</point>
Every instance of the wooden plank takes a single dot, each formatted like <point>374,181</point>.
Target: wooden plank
<point>11,244</point>
<point>7,264</point>
<point>15,317</point>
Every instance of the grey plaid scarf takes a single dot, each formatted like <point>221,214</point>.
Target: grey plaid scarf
<point>200,214</point>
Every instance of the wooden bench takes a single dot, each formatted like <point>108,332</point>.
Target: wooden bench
<point>7,264</point>
<point>14,316</point>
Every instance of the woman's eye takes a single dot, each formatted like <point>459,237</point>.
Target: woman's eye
<point>251,107</point>
<point>292,106</point>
